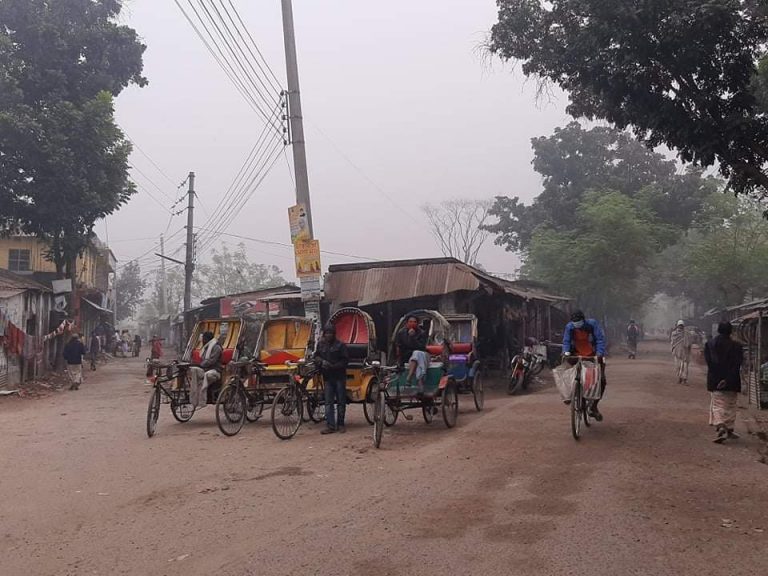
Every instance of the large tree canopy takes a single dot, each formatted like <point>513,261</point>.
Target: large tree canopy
<point>574,161</point>
<point>63,160</point>
<point>679,72</point>
<point>130,290</point>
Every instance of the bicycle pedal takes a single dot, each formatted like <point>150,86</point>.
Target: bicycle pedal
<point>407,417</point>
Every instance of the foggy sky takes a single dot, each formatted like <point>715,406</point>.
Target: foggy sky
<point>399,88</point>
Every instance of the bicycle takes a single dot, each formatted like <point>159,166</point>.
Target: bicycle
<point>305,388</point>
<point>238,401</point>
<point>583,396</point>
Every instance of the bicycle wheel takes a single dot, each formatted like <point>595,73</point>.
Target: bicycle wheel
<point>577,411</point>
<point>450,405</point>
<point>230,410</point>
<point>316,403</point>
<point>478,391</point>
<point>254,402</point>
<point>585,406</point>
<point>370,400</point>
<point>378,418</point>
<point>153,412</point>
<point>287,412</point>
<point>390,415</point>
<point>538,366</point>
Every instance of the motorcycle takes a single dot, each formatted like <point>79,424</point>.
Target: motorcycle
<point>525,365</point>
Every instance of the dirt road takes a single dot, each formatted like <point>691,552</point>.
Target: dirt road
<point>508,491</point>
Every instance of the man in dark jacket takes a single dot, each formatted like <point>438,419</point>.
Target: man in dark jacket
<point>73,354</point>
<point>724,358</point>
<point>333,358</point>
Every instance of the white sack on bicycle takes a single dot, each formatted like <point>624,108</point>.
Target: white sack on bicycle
<point>564,380</point>
<point>591,378</point>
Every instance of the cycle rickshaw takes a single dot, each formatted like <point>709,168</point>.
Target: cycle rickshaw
<point>171,382</point>
<point>464,365</point>
<point>437,390</point>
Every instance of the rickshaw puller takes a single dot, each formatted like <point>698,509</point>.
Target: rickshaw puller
<point>334,357</point>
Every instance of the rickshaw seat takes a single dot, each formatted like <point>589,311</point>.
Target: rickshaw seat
<point>461,348</point>
<point>226,356</point>
<point>435,350</point>
<point>280,357</point>
<point>357,351</point>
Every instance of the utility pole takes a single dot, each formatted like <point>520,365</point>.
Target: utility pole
<point>295,118</point>
<point>163,285</point>
<point>189,265</point>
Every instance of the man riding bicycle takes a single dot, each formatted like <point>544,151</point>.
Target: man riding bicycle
<point>585,337</point>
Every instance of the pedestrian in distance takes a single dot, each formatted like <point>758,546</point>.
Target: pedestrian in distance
<point>94,349</point>
<point>333,357</point>
<point>724,357</point>
<point>633,335</point>
<point>681,343</point>
<point>73,355</point>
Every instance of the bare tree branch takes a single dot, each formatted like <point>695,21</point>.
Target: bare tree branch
<point>457,226</point>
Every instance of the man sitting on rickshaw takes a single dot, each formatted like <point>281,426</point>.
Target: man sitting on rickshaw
<point>412,349</point>
<point>207,372</point>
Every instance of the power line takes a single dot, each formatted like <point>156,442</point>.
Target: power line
<point>144,188</point>
<point>163,192</point>
<point>148,157</point>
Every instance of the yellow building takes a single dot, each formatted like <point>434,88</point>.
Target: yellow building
<point>96,266</point>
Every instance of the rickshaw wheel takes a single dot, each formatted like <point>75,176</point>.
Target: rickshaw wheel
<point>287,412</point>
<point>450,405</point>
<point>370,400</point>
<point>230,410</point>
<point>390,415</point>
<point>255,407</point>
<point>153,412</point>
<point>315,407</point>
<point>428,413</point>
<point>478,391</point>
<point>182,412</point>
<point>379,410</point>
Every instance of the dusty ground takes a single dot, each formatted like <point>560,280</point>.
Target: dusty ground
<point>84,491</point>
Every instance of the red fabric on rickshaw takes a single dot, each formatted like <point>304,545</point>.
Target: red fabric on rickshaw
<point>196,358</point>
<point>226,355</point>
<point>352,329</point>
<point>280,357</point>
<point>435,350</point>
<point>461,348</point>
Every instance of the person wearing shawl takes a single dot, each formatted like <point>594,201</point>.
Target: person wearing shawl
<point>207,372</point>
<point>681,342</point>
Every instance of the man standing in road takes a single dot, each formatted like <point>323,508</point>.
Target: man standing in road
<point>73,354</point>
<point>633,335</point>
<point>208,372</point>
<point>333,357</point>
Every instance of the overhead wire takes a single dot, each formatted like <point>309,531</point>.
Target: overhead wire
<point>148,157</point>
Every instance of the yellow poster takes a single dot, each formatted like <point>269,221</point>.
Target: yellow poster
<point>297,216</point>
<point>307,254</point>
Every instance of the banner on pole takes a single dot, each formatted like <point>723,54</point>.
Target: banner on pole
<point>297,216</point>
<point>307,253</point>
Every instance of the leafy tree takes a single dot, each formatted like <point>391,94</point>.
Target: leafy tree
<point>63,160</point>
<point>457,226</point>
<point>574,161</point>
<point>130,290</point>
<point>585,263</point>
<point>230,272</point>
<point>679,72</point>
<point>723,260</point>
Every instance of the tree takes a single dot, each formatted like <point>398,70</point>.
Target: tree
<point>458,227</point>
<point>723,260</point>
<point>679,72</point>
<point>587,264</point>
<point>573,161</point>
<point>63,160</point>
<point>130,290</point>
<point>230,272</point>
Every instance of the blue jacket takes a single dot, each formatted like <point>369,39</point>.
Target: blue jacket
<point>596,337</point>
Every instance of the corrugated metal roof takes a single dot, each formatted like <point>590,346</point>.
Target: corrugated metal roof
<point>9,292</point>
<point>9,280</point>
<point>373,283</point>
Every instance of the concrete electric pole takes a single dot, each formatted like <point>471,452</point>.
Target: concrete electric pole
<point>189,264</point>
<point>295,119</point>
<point>163,285</point>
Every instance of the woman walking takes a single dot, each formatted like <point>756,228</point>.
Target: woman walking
<point>724,358</point>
